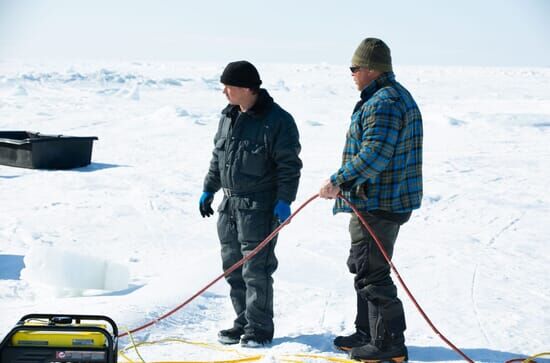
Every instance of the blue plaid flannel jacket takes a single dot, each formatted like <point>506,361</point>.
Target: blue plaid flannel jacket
<point>382,158</point>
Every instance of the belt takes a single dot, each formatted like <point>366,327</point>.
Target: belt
<point>241,193</point>
<point>228,192</point>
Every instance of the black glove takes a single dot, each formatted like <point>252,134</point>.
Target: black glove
<point>205,204</point>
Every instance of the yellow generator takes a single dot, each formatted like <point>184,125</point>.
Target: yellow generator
<point>57,338</point>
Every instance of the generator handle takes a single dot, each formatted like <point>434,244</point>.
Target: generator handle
<point>77,317</point>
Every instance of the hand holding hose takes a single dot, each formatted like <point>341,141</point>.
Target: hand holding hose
<point>329,190</point>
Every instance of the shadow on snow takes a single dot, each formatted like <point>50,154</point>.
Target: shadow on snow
<point>323,343</point>
<point>11,266</point>
<point>98,166</point>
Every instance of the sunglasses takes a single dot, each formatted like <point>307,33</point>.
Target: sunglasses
<point>354,69</point>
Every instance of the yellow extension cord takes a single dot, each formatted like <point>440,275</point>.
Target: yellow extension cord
<point>530,359</point>
<point>134,346</point>
<point>286,358</point>
<point>290,358</point>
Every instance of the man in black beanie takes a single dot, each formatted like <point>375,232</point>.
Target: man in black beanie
<point>255,162</point>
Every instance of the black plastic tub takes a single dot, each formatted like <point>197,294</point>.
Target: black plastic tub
<point>37,151</point>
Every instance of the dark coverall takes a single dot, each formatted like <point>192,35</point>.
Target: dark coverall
<point>255,162</point>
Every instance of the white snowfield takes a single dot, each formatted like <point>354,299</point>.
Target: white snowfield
<point>476,255</point>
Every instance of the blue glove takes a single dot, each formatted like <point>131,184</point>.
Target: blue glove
<point>282,210</point>
<point>205,204</point>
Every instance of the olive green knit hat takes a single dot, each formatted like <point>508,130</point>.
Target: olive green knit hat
<point>373,54</point>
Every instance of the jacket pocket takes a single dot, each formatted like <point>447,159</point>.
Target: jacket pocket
<point>254,159</point>
<point>220,144</point>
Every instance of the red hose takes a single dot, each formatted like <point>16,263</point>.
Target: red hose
<point>268,239</point>
<point>252,253</point>
<point>394,269</point>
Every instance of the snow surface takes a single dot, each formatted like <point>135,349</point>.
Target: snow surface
<point>475,255</point>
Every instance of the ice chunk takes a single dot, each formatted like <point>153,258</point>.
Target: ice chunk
<point>19,91</point>
<point>116,276</point>
<point>134,93</point>
<point>181,112</point>
<point>72,270</point>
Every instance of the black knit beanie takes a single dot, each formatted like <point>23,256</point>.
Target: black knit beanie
<point>241,74</point>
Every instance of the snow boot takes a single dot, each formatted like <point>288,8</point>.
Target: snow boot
<point>362,328</point>
<point>395,352</point>
<point>387,324</point>
<point>357,339</point>
<point>254,340</point>
<point>230,336</point>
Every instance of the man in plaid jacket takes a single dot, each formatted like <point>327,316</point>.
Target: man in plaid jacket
<point>381,174</point>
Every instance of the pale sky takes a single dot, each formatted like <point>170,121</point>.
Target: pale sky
<point>419,32</point>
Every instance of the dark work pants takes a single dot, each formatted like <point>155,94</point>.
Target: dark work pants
<point>243,224</point>
<point>380,312</point>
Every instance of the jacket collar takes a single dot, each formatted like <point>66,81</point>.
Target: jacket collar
<point>262,106</point>
<point>382,81</point>
<point>367,92</point>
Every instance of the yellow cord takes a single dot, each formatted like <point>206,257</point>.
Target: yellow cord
<point>315,356</point>
<point>289,358</point>
<point>530,359</point>
<point>243,358</point>
<point>134,346</point>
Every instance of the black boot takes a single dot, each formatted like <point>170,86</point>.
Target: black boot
<point>357,339</point>
<point>362,331</point>
<point>393,350</point>
<point>256,339</point>
<point>230,336</point>
<point>388,342</point>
